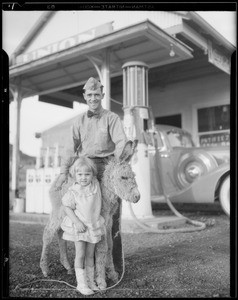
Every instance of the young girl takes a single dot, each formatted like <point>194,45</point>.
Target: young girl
<point>83,223</point>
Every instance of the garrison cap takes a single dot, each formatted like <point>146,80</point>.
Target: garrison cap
<point>92,84</point>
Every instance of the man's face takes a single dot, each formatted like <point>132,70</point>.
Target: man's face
<point>94,99</point>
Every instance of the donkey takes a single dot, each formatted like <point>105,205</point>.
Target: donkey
<point>118,182</point>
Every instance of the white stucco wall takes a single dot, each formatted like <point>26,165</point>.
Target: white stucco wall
<point>185,97</point>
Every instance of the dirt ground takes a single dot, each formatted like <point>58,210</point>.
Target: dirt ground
<point>174,265</point>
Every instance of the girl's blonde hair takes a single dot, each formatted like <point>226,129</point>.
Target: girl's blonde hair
<point>83,161</point>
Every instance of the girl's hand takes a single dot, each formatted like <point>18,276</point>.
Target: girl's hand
<point>80,226</point>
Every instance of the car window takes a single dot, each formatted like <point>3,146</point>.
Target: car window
<point>155,139</point>
<point>179,139</point>
<point>158,140</point>
<point>187,141</point>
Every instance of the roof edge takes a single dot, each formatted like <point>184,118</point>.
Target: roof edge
<point>144,26</point>
<point>206,26</point>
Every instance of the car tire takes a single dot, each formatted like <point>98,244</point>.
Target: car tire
<point>193,165</point>
<point>224,195</point>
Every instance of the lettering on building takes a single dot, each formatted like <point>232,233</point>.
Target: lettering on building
<point>64,44</point>
<point>215,139</point>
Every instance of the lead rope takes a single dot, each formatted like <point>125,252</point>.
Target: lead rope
<point>74,287</point>
<point>21,286</point>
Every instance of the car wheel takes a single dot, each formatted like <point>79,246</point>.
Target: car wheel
<point>193,165</point>
<point>224,195</point>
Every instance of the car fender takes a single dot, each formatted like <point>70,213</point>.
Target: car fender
<point>203,189</point>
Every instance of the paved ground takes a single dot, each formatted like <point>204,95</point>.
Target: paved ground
<point>184,265</point>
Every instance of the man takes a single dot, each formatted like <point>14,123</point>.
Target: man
<point>97,133</point>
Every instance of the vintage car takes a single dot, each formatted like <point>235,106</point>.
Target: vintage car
<point>186,173</point>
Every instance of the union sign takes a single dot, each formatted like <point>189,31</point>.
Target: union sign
<point>65,43</point>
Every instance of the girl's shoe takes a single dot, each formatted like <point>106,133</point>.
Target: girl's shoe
<point>82,286</point>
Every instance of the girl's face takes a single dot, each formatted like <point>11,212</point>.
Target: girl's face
<point>83,175</point>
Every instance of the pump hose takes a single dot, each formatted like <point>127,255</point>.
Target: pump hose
<point>199,225</point>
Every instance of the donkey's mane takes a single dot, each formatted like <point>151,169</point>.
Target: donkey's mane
<point>107,174</point>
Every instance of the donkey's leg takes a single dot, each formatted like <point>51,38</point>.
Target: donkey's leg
<point>110,269</point>
<point>63,252</point>
<point>48,235</point>
<point>100,262</point>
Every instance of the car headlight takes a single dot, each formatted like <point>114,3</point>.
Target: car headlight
<point>193,165</point>
<point>193,170</point>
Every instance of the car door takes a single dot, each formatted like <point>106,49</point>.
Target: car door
<point>162,164</point>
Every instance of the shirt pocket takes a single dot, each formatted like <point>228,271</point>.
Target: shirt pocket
<point>102,138</point>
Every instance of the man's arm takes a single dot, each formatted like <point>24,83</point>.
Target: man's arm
<point>117,133</point>
<point>68,158</point>
<point>70,150</point>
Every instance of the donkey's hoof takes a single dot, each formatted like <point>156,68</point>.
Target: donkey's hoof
<point>44,270</point>
<point>70,271</point>
<point>102,285</point>
<point>114,276</point>
<point>45,273</point>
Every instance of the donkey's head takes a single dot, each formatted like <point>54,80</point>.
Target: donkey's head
<point>120,178</point>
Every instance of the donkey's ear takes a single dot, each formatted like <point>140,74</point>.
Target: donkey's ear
<point>134,146</point>
<point>128,150</point>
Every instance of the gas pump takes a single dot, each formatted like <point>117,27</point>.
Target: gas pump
<point>136,123</point>
<point>139,124</point>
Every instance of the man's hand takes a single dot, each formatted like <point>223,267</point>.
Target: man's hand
<point>62,178</point>
<point>80,226</point>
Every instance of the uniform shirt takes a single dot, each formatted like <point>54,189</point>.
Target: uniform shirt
<point>98,136</point>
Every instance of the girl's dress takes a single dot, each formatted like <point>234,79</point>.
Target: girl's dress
<point>86,203</point>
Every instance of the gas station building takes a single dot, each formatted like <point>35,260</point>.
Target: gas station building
<point>172,62</point>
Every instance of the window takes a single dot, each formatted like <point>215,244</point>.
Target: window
<point>173,120</point>
<point>214,118</point>
<point>158,140</point>
<point>214,125</point>
<point>179,139</point>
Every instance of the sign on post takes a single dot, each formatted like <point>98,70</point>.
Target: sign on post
<point>219,59</point>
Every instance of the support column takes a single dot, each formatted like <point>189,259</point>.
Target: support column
<point>17,100</point>
<point>105,73</point>
<point>136,124</point>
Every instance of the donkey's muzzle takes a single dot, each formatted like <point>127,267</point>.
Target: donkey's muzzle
<point>136,197</point>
